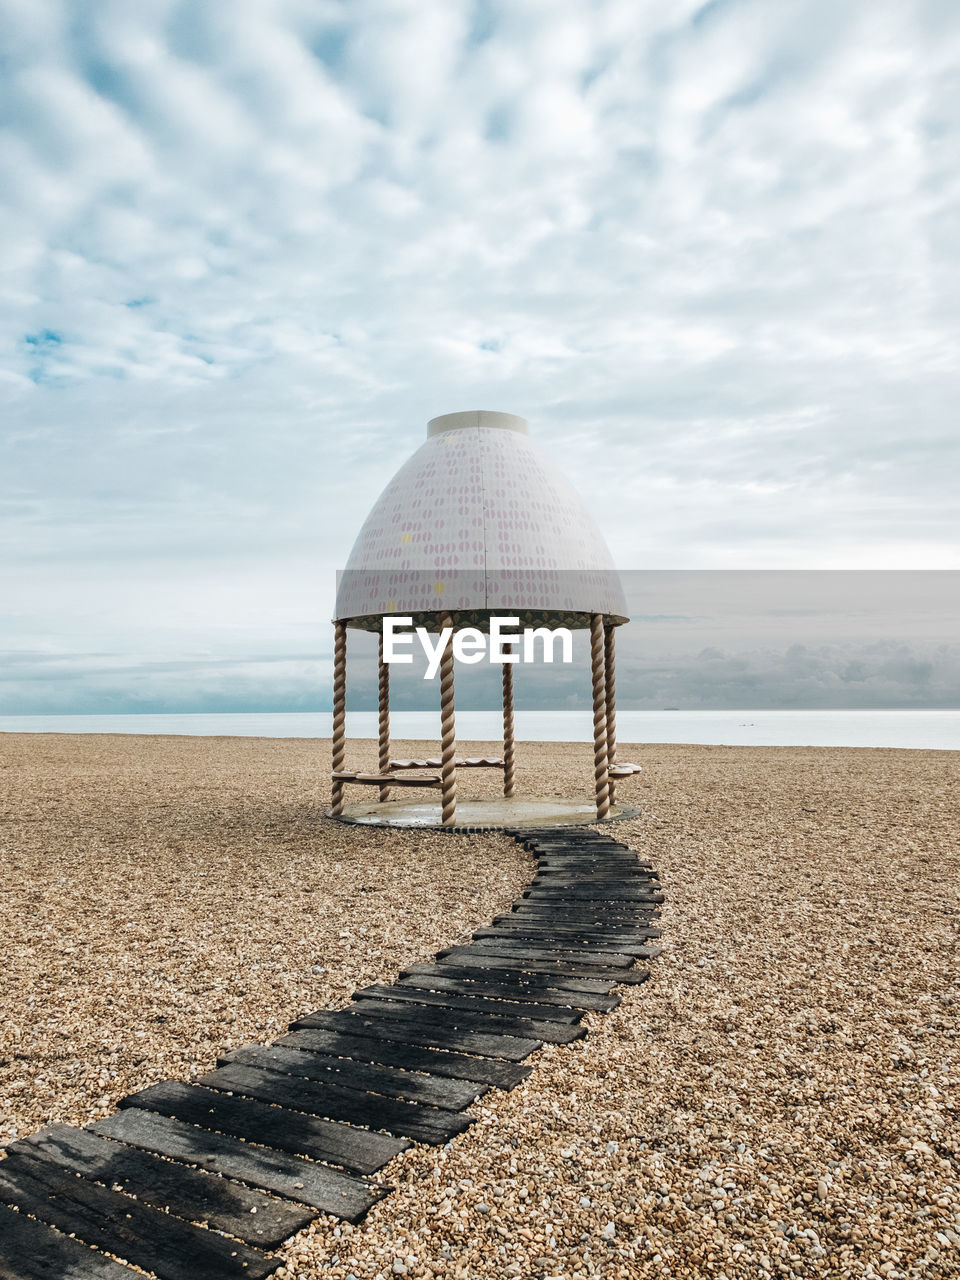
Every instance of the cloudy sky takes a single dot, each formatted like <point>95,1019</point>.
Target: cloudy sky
<point>710,250</point>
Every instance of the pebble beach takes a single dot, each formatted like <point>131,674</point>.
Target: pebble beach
<point>780,1099</point>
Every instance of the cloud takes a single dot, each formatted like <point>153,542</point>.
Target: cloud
<point>709,249</point>
<point>831,677</point>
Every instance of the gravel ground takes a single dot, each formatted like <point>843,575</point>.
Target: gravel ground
<point>779,1099</point>
<point>166,897</point>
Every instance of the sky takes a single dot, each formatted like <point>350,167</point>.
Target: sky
<point>709,250</point>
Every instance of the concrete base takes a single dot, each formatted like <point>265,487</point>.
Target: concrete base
<point>526,811</point>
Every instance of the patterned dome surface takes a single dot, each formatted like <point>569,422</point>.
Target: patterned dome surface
<point>478,521</point>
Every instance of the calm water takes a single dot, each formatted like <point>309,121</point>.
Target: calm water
<point>917,729</point>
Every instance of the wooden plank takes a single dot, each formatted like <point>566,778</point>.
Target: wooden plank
<point>574,955</point>
<point>574,840</point>
<point>570,840</point>
<point>472,1002</point>
<point>381,779</point>
<point>187,1193</point>
<point>533,982</point>
<point>557,832</point>
<point>557,878</point>
<point>625,933</point>
<point>561,968</point>
<point>552,939</point>
<point>611,908</point>
<point>561,849</point>
<point>610,861</point>
<point>405,1119</point>
<point>577,892</point>
<point>344,1195</point>
<point>584,835</point>
<point>588,873</point>
<point>561,841</point>
<point>606,845</point>
<point>513,1048</point>
<point>598,933</point>
<point>640,926</point>
<point>608,853</point>
<point>595,890</point>
<point>590,893</point>
<point>515,991</point>
<point>579,915</point>
<point>599,853</point>
<point>624,917</point>
<point>355,1149</point>
<point>409,1057</point>
<point>559,871</point>
<point>577,842</point>
<point>431,1091</point>
<point>31,1250</point>
<point>608,909</point>
<point>158,1242</point>
<point>424,1019</point>
<point>604,956</point>
<point>607,879</point>
<point>567,863</point>
<point>599,884</point>
<point>547,940</point>
<point>532,919</point>
<point>601,860</point>
<point>603,886</point>
<point>434,762</point>
<point>609,904</point>
<point>592,858</point>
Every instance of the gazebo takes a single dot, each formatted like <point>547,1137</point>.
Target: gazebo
<point>477,523</point>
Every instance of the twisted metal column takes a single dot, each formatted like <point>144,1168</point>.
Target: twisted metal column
<point>339,712</point>
<point>610,699</point>
<point>599,717</point>
<point>508,750</point>
<point>384,726</point>
<point>448,732</point>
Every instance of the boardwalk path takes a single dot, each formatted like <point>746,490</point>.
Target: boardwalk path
<point>279,1133</point>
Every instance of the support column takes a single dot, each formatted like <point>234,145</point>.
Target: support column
<point>384,726</point>
<point>599,717</point>
<point>448,732</point>
<point>610,690</point>
<point>508,751</point>
<point>339,712</point>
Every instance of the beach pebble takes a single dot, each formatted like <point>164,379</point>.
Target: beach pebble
<point>783,1110</point>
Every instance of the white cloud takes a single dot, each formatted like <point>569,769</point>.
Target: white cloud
<point>709,249</point>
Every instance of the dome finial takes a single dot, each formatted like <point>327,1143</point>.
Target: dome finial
<point>476,418</point>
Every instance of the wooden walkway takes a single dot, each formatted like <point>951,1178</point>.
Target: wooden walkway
<point>203,1180</point>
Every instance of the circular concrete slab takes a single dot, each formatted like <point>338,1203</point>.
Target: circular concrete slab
<point>528,811</point>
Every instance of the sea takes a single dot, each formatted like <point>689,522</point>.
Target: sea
<point>937,730</point>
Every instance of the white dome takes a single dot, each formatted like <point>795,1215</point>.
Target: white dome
<point>479,522</point>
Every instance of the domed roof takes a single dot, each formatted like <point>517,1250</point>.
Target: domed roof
<point>479,522</point>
